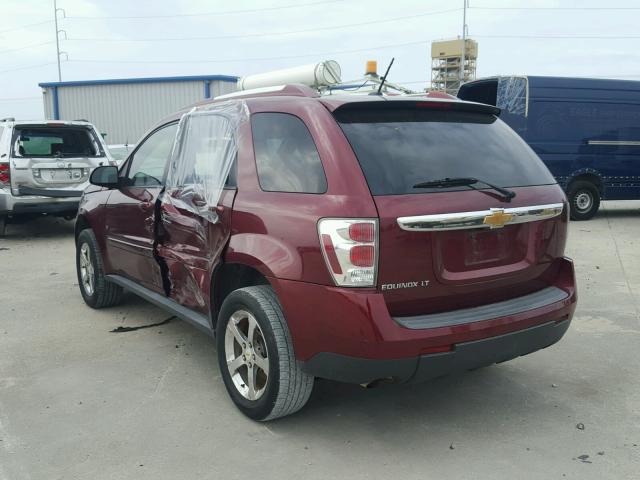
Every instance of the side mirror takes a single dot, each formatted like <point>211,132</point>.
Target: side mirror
<point>105,176</point>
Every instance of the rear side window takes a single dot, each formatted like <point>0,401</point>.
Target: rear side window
<point>398,148</point>
<point>286,156</point>
<point>55,142</point>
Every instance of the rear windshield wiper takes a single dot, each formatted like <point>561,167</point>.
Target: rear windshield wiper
<point>465,182</point>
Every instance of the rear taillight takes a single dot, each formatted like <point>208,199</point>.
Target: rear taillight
<point>350,248</point>
<point>5,177</point>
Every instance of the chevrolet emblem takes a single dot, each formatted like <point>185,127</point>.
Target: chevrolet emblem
<point>498,218</point>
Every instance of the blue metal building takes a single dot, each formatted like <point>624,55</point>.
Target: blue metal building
<point>125,108</point>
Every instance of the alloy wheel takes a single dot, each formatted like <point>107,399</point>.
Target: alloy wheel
<point>246,355</point>
<point>86,270</point>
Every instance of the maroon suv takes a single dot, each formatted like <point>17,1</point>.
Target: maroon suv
<point>351,238</point>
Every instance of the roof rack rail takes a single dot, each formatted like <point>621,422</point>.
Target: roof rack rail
<point>291,90</point>
<point>8,119</point>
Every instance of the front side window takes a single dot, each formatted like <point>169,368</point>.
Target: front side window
<point>146,168</point>
<point>59,141</point>
<point>286,156</point>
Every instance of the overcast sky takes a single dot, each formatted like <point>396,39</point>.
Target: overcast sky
<point>263,35</point>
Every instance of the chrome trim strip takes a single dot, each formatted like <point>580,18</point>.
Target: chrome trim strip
<point>478,219</point>
<point>628,143</point>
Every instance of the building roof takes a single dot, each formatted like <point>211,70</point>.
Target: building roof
<point>119,81</point>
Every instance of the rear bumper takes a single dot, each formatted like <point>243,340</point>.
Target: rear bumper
<point>465,356</point>
<point>13,205</point>
<point>349,335</point>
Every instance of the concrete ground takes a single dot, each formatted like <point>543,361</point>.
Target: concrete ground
<point>80,402</point>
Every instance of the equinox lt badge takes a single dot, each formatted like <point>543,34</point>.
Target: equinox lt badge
<point>395,286</point>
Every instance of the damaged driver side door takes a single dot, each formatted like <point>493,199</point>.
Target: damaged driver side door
<point>131,210</point>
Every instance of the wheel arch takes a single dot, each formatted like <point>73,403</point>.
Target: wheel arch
<point>230,276</point>
<point>587,175</point>
<point>82,223</point>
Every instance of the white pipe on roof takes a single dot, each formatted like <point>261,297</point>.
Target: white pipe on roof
<point>314,75</point>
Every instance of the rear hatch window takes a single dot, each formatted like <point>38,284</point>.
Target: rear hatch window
<point>62,142</point>
<point>398,148</point>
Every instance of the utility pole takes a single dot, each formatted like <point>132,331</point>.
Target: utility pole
<point>55,16</point>
<point>464,39</point>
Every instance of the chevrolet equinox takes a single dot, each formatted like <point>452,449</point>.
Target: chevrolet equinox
<point>351,238</point>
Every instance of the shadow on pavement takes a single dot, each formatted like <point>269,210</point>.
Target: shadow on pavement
<point>39,227</point>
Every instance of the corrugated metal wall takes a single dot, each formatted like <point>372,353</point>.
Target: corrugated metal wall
<point>125,111</point>
<point>47,98</point>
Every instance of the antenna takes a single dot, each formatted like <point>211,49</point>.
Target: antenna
<point>384,78</point>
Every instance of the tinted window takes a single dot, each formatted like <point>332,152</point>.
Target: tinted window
<point>55,142</point>
<point>399,148</point>
<point>148,163</point>
<point>286,157</point>
<point>583,121</point>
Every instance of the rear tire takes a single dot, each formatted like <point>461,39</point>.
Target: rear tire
<point>96,290</point>
<point>584,200</point>
<point>253,339</point>
<point>3,225</point>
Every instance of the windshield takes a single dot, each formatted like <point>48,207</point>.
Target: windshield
<point>55,142</point>
<point>399,148</point>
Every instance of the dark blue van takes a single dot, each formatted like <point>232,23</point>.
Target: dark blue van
<point>587,131</point>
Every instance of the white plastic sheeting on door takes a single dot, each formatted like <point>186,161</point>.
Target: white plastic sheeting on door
<point>512,95</point>
<point>204,152</point>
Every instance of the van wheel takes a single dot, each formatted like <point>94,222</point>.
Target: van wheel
<point>256,358</point>
<point>584,200</point>
<point>96,290</point>
<point>3,225</point>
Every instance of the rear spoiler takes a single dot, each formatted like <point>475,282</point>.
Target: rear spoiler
<point>417,103</point>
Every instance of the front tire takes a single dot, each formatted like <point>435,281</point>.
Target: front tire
<point>96,290</point>
<point>584,200</point>
<point>256,358</point>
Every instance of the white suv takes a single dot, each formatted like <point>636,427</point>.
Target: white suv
<point>45,166</point>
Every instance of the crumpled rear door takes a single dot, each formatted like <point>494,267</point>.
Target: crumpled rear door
<point>195,209</point>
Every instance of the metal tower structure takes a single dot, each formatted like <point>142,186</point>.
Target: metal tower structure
<point>453,62</point>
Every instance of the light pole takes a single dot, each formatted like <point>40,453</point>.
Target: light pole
<point>464,39</point>
<point>55,19</point>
